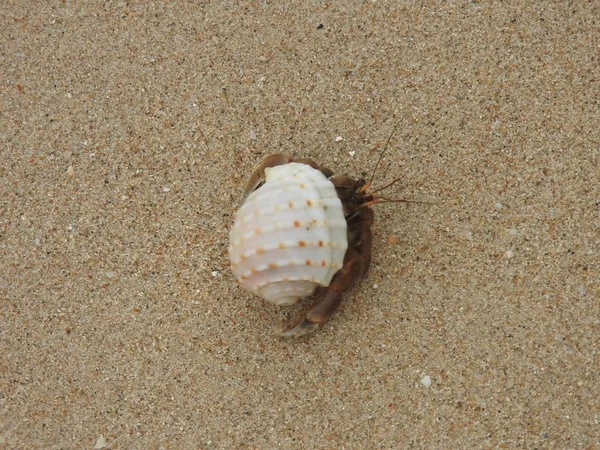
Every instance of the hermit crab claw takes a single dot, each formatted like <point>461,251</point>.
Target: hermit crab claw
<point>301,328</point>
<point>258,177</point>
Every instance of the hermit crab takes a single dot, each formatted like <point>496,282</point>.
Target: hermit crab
<point>300,229</point>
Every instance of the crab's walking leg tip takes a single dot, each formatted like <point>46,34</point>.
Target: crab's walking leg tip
<point>297,329</point>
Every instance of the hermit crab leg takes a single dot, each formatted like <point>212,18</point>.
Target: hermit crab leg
<point>327,300</point>
<point>356,265</point>
<point>258,177</point>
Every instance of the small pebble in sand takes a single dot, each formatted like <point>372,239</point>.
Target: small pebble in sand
<point>469,235</point>
<point>375,286</point>
<point>214,273</point>
<point>70,172</point>
<point>509,254</point>
<point>166,189</point>
<point>339,139</point>
<point>100,443</point>
<point>426,381</point>
<point>392,239</point>
<point>498,206</point>
<point>352,153</point>
<point>110,274</point>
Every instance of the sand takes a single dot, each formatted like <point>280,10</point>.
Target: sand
<point>127,132</point>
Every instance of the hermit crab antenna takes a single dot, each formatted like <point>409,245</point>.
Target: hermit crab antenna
<point>401,200</point>
<point>381,155</point>
<point>381,199</point>
<point>386,186</point>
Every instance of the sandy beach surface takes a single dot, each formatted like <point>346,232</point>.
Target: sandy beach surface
<point>128,130</point>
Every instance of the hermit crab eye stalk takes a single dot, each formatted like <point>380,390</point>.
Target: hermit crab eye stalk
<point>361,186</point>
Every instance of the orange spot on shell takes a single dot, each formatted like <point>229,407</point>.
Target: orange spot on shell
<point>302,185</point>
<point>260,250</point>
<point>308,203</point>
<point>257,231</point>
<point>281,245</point>
<point>320,243</point>
<point>291,204</point>
<point>253,271</point>
<point>323,263</point>
<point>302,243</point>
<point>272,266</point>
<point>308,263</point>
<point>296,224</point>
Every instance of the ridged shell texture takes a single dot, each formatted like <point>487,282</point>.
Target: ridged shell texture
<point>289,236</point>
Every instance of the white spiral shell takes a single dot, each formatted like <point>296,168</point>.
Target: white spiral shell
<point>289,236</point>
